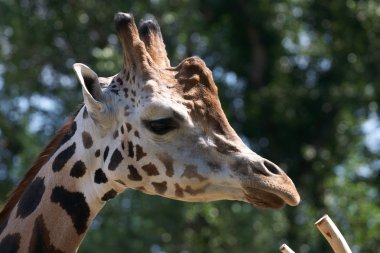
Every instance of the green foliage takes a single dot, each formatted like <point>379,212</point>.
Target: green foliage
<point>296,78</point>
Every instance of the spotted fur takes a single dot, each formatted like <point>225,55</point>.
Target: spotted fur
<point>131,153</point>
<point>3,224</point>
<point>86,139</point>
<point>139,152</point>
<point>105,155</point>
<point>116,159</point>
<point>160,187</point>
<point>68,134</point>
<point>75,205</point>
<point>78,169</point>
<point>62,158</point>
<point>178,191</point>
<point>191,172</point>
<point>133,173</point>
<point>150,169</point>
<point>31,198</point>
<point>109,195</point>
<point>128,126</point>
<point>40,240</point>
<point>10,243</point>
<point>100,177</point>
<point>167,160</point>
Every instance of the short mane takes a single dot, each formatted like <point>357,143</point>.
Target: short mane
<point>16,193</point>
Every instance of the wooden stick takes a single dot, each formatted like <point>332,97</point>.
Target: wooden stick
<point>332,234</point>
<point>285,249</point>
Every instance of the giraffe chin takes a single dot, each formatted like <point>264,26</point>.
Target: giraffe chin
<point>263,199</point>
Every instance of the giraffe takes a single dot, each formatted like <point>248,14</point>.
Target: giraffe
<point>151,127</point>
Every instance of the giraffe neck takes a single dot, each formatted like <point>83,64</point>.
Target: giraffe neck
<point>59,204</point>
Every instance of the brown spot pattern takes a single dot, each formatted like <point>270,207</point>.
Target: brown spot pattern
<point>78,169</point>
<point>168,163</point>
<point>106,153</point>
<point>31,198</point>
<point>10,243</point>
<point>139,152</point>
<point>4,224</point>
<point>178,190</point>
<point>109,195</point>
<point>192,191</point>
<point>160,188</point>
<point>100,177</point>
<point>191,172</point>
<point>116,159</point>
<point>134,174</point>
<point>116,134</point>
<point>125,92</point>
<point>40,240</point>
<point>129,126</point>
<point>224,147</point>
<point>131,154</point>
<point>75,205</point>
<point>214,166</point>
<point>150,169</point>
<point>62,158</point>
<point>87,140</point>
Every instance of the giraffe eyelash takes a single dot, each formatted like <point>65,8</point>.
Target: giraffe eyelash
<point>161,126</point>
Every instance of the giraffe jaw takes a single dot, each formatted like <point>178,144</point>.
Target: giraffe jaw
<point>268,197</point>
<point>262,199</point>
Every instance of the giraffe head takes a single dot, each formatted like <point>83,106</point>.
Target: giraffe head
<point>166,133</point>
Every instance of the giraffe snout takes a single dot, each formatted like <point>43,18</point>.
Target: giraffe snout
<point>266,168</point>
<point>267,185</point>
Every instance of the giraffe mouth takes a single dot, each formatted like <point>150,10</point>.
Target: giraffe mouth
<point>263,199</point>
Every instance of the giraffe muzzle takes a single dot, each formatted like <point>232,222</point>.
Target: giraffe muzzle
<point>270,187</point>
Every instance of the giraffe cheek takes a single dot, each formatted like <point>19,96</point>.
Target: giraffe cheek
<point>134,174</point>
<point>150,169</point>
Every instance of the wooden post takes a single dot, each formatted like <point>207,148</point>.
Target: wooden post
<point>332,234</point>
<point>285,249</point>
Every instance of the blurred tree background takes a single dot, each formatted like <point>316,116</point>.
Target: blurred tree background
<point>299,80</point>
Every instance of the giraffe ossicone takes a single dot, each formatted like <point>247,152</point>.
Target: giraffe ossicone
<point>151,127</point>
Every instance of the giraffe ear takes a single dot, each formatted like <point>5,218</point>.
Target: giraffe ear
<point>92,92</point>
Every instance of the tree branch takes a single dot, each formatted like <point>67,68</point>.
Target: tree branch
<point>332,234</point>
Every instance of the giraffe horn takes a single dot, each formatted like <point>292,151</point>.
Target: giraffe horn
<point>150,33</point>
<point>136,57</point>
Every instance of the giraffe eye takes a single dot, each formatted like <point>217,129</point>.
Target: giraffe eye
<point>161,126</point>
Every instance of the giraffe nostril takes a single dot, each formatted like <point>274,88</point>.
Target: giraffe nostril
<point>272,168</point>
